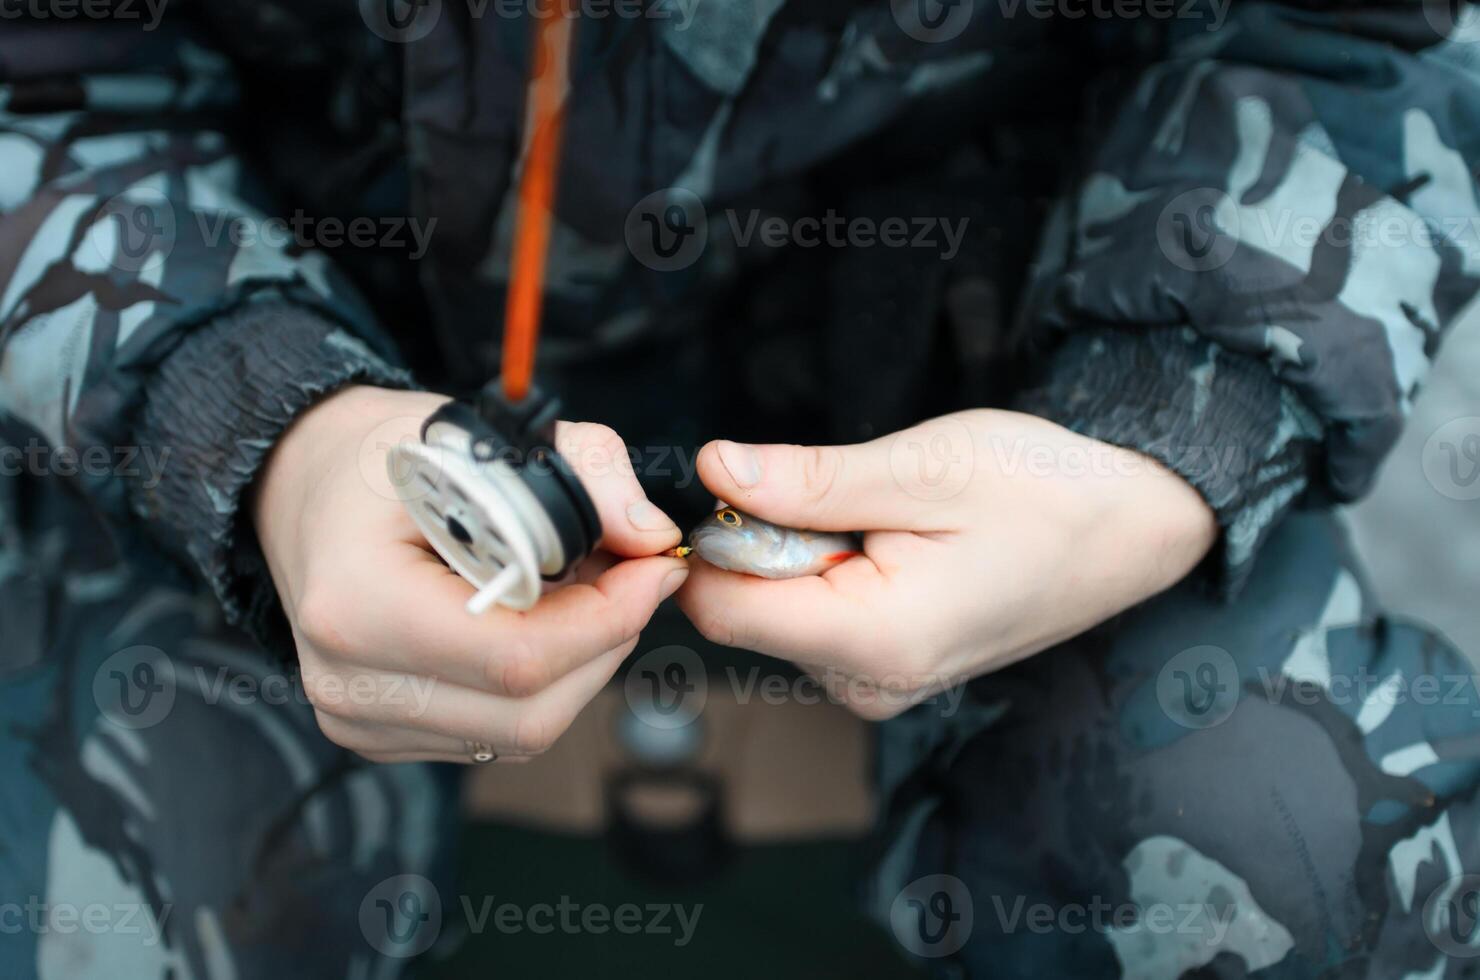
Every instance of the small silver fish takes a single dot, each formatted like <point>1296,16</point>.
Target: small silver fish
<point>739,542</point>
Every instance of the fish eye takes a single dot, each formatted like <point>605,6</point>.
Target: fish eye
<point>729,517</point>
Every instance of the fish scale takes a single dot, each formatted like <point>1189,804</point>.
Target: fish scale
<point>736,541</point>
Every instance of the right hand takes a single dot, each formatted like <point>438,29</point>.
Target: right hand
<point>395,667</point>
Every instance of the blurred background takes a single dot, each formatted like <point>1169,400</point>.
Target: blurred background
<point>769,846</point>
<point>1419,531</point>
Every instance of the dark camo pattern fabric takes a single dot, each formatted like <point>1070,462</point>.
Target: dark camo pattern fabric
<point>1212,145</point>
<point>1259,789</point>
<point>1171,306</point>
<point>168,806</point>
<point>1281,786</point>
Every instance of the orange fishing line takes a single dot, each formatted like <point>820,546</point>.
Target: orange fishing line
<point>548,70</point>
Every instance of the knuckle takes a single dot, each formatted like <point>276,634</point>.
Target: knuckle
<point>876,709</point>
<point>593,445</point>
<point>319,617</point>
<point>604,437</point>
<point>715,627</point>
<point>323,692</point>
<point>821,467</point>
<point>336,731</point>
<point>535,734</point>
<point>630,620</point>
<point>518,670</point>
<point>621,621</point>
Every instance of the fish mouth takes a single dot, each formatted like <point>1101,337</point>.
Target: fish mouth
<point>714,545</point>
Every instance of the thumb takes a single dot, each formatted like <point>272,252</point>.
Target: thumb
<point>821,488</point>
<point>631,525</point>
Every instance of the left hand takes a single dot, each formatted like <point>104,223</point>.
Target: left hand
<point>991,536</point>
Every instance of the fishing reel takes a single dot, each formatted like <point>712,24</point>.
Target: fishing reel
<point>492,495</point>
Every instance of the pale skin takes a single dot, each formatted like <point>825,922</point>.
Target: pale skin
<point>1037,535</point>
<point>394,666</point>
<point>959,576</point>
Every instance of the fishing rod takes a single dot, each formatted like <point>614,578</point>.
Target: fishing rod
<point>486,485</point>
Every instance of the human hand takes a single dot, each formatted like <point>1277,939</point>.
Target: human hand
<point>1037,535</point>
<point>395,667</point>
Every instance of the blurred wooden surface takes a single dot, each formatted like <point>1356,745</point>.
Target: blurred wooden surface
<point>790,771</point>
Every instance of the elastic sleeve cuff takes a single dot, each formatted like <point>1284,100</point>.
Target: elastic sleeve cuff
<point>1222,421</point>
<point>217,405</point>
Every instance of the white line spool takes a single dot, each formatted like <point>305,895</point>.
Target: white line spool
<point>479,516</point>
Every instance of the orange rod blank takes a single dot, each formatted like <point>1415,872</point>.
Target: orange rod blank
<point>549,70</point>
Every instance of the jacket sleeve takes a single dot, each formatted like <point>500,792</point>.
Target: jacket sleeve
<point>146,309</point>
<point>1276,223</point>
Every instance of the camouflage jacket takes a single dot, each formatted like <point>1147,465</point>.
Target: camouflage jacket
<point>212,214</point>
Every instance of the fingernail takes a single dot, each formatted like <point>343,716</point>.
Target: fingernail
<point>672,582</point>
<point>743,462</point>
<point>645,516</point>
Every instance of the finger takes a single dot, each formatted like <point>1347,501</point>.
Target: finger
<point>390,744</point>
<point>586,571</point>
<point>811,619</point>
<point>425,628</point>
<point>510,726</point>
<point>595,565</point>
<point>381,740</point>
<point>824,488</point>
<point>399,758</point>
<point>872,699</point>
<point>631,525</point>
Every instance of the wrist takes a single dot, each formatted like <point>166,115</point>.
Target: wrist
<point>1158,522</point>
